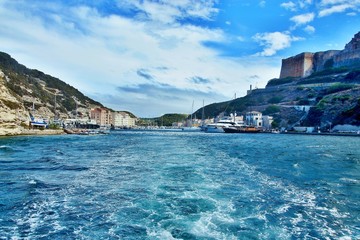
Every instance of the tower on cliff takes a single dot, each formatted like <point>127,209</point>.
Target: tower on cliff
<point>300,65</point>
<point>304,64</point>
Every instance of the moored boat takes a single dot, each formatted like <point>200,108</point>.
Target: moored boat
<point>219,126</point>
<point>241,129</point>
<point>191,129</point>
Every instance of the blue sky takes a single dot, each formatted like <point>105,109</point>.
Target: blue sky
<point>153,57</point>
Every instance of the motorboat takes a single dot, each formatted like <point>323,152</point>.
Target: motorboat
<point>218,127</point>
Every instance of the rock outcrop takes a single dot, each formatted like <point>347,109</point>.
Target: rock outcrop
<point>304,64</point>
<point>13,115</point>
<point>25,92</point>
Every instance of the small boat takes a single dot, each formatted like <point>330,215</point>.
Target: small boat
<point>191,129</point>
<point>276,131</point>
<point>241,129</point>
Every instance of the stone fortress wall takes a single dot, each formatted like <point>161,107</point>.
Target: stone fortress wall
<point>304,64</point>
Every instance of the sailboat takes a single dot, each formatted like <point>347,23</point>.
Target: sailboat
<point>191,128</point>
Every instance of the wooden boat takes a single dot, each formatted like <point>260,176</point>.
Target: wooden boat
<point>241,129</point>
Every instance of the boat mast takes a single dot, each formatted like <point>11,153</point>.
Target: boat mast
<point>55,108</point>
<point>191,116</point>
<point>202,114</point>
<point>76,104</point>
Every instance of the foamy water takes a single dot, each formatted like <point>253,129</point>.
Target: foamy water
<point>175,185</point>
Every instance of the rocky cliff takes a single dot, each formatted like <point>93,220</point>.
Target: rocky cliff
<point>304,64</point>
<point>26,91</point>
<point>13,115</point>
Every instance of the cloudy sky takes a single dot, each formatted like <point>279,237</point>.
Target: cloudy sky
<point>153,57</point>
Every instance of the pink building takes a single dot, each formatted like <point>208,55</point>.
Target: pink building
<point>102,116</point>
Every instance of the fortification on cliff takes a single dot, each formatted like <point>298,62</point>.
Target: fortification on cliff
<point>304,64</point>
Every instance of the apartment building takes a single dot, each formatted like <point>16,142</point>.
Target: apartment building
<point>122,119</point>
<point>102,116</point>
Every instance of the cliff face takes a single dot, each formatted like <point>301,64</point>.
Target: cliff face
<point>304,64</point>
<point>24,91</point>
<point>13,114</point>
<point>297,66</point>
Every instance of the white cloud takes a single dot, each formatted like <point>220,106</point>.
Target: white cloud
<point>352,14</point>
<point>303,18</point>
<point>289,6</point>
<point>99,53</point>
<point>309,29</point>
<point>304,3</point>
<point>295,6</point>
<point>335,2</point>
<point>273,42</point>
<point>334,9</point>
<point>328,7</point>
<point>262,4</point>
<point>169,12</point>
<point>240,38</point>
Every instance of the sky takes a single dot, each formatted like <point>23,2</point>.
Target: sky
<point>153,57</point>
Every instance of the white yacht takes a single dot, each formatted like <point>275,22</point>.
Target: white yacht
<point>218,126</point>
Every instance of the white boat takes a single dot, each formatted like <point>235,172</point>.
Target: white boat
<point>191,129</point>
<point>218,126</point>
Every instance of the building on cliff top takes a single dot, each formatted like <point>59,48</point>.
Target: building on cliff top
<point>304,64</point>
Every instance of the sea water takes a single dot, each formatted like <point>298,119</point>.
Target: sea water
<point>176,185</point>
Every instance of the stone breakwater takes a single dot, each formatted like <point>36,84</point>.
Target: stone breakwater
<point>19,131</point>
<point>42,132</point>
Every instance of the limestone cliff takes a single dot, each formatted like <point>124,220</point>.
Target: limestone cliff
<point>13,115</point>
<point>304,64</point>
<point>26,91</point>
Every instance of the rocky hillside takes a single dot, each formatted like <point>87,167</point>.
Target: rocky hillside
<point>330,97</point>
<point>13,114</point>
<point>25,91</point>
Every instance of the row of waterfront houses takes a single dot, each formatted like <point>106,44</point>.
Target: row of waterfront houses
<point>252,118</point>
<point>106,117</point>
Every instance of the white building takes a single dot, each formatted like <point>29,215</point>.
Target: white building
<point>254,118</point>
<point>122,119</point>
<point>267,121</point>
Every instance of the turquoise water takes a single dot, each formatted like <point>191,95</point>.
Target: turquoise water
<point>176,185</point>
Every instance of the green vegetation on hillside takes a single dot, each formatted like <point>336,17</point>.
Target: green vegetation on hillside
<point>166,120</point>
<point>333,93</point>
<point>169,119</point>
<point>329,71</point>
<point>279,81</point>
<point>23,81</point>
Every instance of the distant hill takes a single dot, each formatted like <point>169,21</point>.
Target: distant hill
<point>164,120</point>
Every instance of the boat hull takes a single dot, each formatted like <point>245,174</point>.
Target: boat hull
<point>241,130</point>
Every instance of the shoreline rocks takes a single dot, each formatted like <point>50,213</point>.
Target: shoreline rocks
<point>35,132</point>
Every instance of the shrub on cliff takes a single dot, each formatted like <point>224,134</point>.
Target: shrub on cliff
<point>279,81</point>
<point>329,71</point>
<point>337,88</point>
<point>271,110</point>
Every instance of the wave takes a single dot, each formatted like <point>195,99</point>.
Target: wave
<point>6,148</point>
